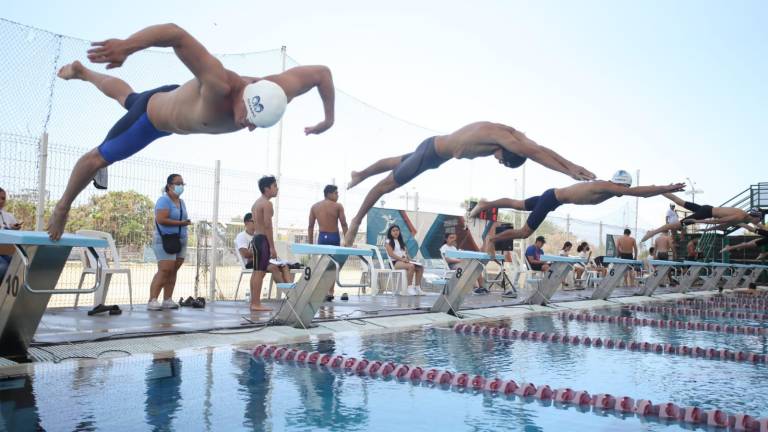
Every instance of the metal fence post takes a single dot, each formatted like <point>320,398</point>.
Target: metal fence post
<point>214,231</point>
<point>42,162</point>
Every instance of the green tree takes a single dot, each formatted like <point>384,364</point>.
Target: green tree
<point>129,216</point>
<point>24,211</point>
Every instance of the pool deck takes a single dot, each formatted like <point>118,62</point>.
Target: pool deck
<point>63,325</point>
<point>66,333</point>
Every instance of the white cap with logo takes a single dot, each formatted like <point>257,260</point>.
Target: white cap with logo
<point>265,103</point>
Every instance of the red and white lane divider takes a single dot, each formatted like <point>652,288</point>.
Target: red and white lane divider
<point>698,312</point>
<point>417,375</point>
<point>682,325</point>
<point>659,348</point>
<point>720,304</point>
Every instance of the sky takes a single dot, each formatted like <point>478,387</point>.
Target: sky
<point>676,90</point>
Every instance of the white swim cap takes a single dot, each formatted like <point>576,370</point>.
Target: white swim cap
<point>265,103</point>
<point>622,177</point>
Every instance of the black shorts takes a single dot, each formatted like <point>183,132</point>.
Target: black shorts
<point>626,256</point>
<point>535,267</point>
<point>261,252</point>
<point>424,158</point>
<point>764,240</point>
<point>662,256</point>
<point>700,212</point>
<point>540,206</point>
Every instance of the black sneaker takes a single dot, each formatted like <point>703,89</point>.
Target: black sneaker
<point>481,291</point>
<point>329,297</point>
<point>344,297</point>
<point>509,294</point>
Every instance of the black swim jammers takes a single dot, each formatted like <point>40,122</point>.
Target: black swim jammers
<point>133,131</point>
<point>700,212</point>
<point>764,240</point>
<point>540,206</point>
<point>424,158</point>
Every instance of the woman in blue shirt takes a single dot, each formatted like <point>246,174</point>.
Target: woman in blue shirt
<point>171,217</point>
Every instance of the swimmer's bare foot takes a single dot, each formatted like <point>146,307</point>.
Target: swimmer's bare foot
<point>73,70</point>
<point>356,179</point>
<point>349,238</point>
<point>647,235</point>
<point>259,308</point>
<point>57,223</point>
<point>478,208</point>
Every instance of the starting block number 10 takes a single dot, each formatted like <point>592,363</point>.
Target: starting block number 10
<point>12,285</point>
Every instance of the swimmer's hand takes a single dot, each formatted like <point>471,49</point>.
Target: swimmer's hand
<point>580,173</point>
<point>111,51</point>
<point>676,187</point>
<point>318,128</point>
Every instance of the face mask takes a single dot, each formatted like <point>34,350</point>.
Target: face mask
<point>178,189</point>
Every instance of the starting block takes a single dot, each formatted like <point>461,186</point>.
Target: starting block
<point>615,275</point>
<point>660,270</point>
<point>305,297</point>
<point>550,283</point>
<point>738,272</point>
<point>690,276</point>
<point>30,281</point>
<point>757,270</point>
<point>718,271</point>
<point>465,274</point>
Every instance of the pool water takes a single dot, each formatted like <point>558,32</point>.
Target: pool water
<point>226,389</point>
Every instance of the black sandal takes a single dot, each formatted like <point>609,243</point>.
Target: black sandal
<point>115,310</point>
<point>99,309</point>
<point>189,302</point>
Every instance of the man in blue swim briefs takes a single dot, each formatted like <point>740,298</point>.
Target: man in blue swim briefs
<point>587,193</point>
<point>511,147</point>
<point>328,214</point>
<point>215,101</point>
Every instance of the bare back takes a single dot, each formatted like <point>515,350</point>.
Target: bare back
<point>262,215</point>
<point>625,244</point>
<point>663,243</point>
<point>586,193</point>
<point>194,108</point>
<point>730,212</point>
<point>327,213</point>
<point>472,141</point>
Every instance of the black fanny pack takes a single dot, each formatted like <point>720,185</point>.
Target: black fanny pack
<point>172,242</point>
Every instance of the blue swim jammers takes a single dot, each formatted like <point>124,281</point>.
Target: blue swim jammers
<point>133,131</point>
<point>424,158</point>
<point>540,206</point>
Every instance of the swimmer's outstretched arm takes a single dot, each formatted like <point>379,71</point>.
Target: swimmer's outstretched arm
<point>192,53</point>
<point>649,191</point>
<point>518,143</point>
<point>746,245</point>
<point>301,79</point>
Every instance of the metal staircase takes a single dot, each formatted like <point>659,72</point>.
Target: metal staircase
<point>755,195</point>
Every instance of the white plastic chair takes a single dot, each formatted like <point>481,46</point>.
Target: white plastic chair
<point>532,276</point>
<point>243,271</point>
<point>89,267</point>
<point>395,280</point>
